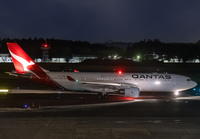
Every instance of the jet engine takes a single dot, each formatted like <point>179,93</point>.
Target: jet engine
<point>130,92</point>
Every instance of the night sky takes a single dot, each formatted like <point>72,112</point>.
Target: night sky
<point>101,20</point>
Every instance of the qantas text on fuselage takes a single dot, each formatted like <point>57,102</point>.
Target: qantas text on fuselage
<point>151,76</point>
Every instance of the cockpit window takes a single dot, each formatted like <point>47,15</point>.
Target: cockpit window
<point>189,80</point>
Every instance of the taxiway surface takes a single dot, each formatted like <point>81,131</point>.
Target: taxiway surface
<point>141,118</point>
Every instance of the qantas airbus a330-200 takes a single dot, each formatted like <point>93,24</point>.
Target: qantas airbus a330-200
<point>130,84</point>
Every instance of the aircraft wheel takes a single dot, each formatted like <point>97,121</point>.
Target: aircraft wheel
<point>101,95</point>
<point>175,96</point>
<point>106,96</point>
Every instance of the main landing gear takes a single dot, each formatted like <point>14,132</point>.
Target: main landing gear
<point>103,94</point>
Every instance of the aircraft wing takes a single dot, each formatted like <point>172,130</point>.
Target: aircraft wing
<point>110,84</point>
<point>103,85</point>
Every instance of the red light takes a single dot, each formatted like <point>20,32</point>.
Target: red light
<point>120,72</point>
<point>45,45</point>
<point>129,98</point>
<point>75,70</point>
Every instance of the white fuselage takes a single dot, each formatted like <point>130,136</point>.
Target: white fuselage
<point>144,81</point>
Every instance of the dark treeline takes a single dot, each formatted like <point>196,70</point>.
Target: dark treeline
<point>61,48</point>
<point>68,48</point>
<point>184,51</point>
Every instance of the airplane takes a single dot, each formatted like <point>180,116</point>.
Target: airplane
<point>127,84</point>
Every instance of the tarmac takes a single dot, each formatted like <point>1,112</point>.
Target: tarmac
<point>137,118</point>
<point>99,127</point>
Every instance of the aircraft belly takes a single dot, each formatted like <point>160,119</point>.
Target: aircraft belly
<point>152,87</point>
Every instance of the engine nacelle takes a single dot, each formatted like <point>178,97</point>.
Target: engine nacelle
<point>130,92</point>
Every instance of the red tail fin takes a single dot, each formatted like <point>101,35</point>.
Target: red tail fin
<point>24,64</point>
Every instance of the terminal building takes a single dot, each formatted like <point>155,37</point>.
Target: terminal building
<point>5,58</point>
<point>79,59</point>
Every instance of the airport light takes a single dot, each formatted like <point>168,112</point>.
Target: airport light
<point>138,58</point>
<point>45,45</point>
<point>4,90</point>
<point>45,54</point>
<point>25,106</point>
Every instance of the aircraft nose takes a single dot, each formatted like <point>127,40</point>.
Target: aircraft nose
<point>193,84</point>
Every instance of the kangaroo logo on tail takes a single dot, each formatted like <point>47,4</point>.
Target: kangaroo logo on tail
<point>24,63</point>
